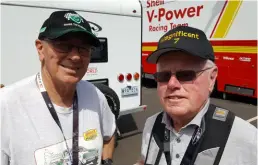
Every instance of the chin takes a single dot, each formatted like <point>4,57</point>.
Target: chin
<point>176,110</point>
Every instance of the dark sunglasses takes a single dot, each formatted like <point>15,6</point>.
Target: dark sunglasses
<point>182,75</point>
<point>63,47</point>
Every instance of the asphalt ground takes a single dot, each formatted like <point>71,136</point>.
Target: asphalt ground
<point>131,126</point>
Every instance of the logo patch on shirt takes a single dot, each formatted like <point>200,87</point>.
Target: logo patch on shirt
<point>220,114</point>
<point>90,134</point>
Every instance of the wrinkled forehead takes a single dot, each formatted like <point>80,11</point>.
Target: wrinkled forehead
<point>179,61</point>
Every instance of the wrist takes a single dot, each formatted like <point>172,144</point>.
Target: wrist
<point>107,161</point>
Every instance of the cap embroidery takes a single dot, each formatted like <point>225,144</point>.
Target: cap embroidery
<point>74,17</point>
<point>42,29</point>
<point>179,34</point>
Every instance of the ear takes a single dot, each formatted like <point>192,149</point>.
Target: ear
<point>213,78</point>
<point>40,49</point>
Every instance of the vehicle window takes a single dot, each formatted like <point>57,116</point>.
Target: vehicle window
<point>100,55</point>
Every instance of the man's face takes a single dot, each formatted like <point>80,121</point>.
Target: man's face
<point>180,98</point>
<point>62,61</point>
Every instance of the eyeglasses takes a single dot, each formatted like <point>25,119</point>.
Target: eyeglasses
<point>182,75</point>
<point>62,47</point>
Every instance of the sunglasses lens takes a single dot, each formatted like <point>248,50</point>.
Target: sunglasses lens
<point>182,76</point>
<point>162,76</point>
<point>185,75</point>
<point>63,48</point>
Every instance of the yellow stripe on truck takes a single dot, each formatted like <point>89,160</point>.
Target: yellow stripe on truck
<point>149,48</point>
<point>235,49</point>
<point>227,18</point>
<point>222,49</point>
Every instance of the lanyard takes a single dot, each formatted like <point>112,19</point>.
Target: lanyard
<point>164,143</point>
<point>194,145</point>
<point>166,148</point>
<point>52,111</point>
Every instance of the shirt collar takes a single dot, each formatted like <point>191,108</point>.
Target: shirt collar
<point>198,118</point>
<point>195,121</point>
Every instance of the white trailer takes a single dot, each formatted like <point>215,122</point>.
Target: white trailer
<point>115,69</point>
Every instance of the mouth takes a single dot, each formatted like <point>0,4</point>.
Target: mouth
<point>174,97</point>
<point>70,67</point>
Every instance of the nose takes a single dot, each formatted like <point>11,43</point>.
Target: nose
<point>74,55</point>
<point>173,83</point>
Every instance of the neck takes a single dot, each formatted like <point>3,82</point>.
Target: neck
<point>181,121</point>
<point>60,93</point>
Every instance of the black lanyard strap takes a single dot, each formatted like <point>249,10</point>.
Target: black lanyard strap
<point>162,138</point>
<point>166,146</point>
<point>158,157</point>
<point>194,145</point>
<point>75,144</point>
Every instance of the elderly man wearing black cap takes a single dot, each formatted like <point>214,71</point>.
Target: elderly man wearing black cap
<point>190,130</point>
<point>53,117</point>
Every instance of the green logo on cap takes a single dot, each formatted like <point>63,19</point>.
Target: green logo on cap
<point>74,17</point>
<point>42,29</point>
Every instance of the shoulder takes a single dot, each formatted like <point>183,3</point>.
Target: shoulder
<point>89,89</point>
<point>241,144</point>
<point>13,95</point>
<point>12,91</point>
<point>243,130</point>
<point>243,137</point>
<point>85,84</point>
<point>150,123</point>
<point>147,133</point>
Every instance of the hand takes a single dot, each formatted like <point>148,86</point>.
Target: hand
<point>140,162</point>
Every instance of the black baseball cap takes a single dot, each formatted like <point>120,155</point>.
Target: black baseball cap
<point>190,40</point>
<point>60,23</point>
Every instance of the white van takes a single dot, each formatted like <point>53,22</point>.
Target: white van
<point>115,69</point>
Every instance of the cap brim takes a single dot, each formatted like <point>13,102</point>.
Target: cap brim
<point>92,39</point>
<point>154,56</point>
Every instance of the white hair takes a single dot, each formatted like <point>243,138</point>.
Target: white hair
<point>209,63</point>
